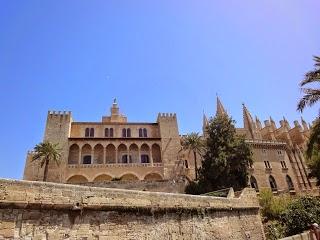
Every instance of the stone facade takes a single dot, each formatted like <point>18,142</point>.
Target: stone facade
<point>38,210</point>
<point>110,149</point>
<point>279,161</point>
<point>116,149</point>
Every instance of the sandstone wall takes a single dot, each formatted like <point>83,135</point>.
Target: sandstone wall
<point>35,210</point>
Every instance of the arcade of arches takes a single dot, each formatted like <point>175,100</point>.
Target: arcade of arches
<point>110,154</point>
<point>153,176</point>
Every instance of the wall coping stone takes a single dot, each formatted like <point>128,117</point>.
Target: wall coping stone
<point>46,195</point>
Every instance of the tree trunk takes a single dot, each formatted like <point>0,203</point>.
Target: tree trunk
<point>45,174</point>
<point>195,164</point>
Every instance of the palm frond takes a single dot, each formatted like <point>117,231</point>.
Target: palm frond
<point>46,150</point>
<point>311,77</point>
<point>314,139</point>
<point>317,60</point>
<point>309,99</point>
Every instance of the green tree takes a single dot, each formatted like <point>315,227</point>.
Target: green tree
<point>300,214</point>
<point>193,143</point>
<point>313,162</point>
<point>46,153</point>
<point>312,96</point>
<point>226,159</point>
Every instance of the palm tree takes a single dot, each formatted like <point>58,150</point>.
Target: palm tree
<point>311,95</point>
<point>193,143</point>
<point>46,152</point>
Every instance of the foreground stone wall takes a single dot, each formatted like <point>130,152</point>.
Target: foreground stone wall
<point>35,210</point>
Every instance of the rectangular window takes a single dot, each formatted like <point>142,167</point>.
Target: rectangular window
<point>267,164</point>
<point>87,132</point>
<point>283,164</point>
<point>91,132</point>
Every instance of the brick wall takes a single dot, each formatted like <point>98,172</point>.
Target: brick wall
<point>35,210</point>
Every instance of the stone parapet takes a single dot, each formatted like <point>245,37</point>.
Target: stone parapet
<point>38,210</point>
<point>28,194</point>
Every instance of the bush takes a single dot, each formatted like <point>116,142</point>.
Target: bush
<point>193,188</point>
<point>273,206</point>
<point>274,230</point>
<point>300,214</point>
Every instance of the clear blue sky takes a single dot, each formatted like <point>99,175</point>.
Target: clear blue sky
<point>153,56</point>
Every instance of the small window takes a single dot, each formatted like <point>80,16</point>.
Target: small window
<point>87,159</point>
<point>283,164</point>
<point>91,132</point>
<point>87,132</point>
<point>144,158</point>
<point>267,164</point>
<point>264,151</point>
<point>290,183</point>
<point>106,132</point>
<point>186,163</point>
<point>111,132</point>
<point>273,184</point>
<point>128,132</point>
<point>124,132</point>
<point>145,133</point>
<point>140,132</point>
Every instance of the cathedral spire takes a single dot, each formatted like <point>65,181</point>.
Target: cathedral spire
<point>258,123</point>
<point>304,124</point>
<point>248,121</point>
<point>273,124</point>
<point>205,123</point>
<point>220,109</point>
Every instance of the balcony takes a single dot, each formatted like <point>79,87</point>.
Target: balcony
<point>115,165</point>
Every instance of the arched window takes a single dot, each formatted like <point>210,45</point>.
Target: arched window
<point>156,153</point>
<point>124,158</point>
<point>87,132</point>
<point>111,132</point>
<point>290,183</point>
<point>87,159</point>
<point>128,132</point>
<point>110,154</point>
<point>124,132</point>
<point>273,184</point>
<point>186,163</point>
<point>86,151</point>
<point>74,152</point>
<point>145,158</point>
<point>91,132</point>
<point>145,133</point>
<point>140,132</point>
<point>98,152</point>
<point>253,183</point>
<point>106,132</point>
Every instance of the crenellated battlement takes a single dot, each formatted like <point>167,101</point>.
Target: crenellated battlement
<point>59,113</point>
<point>167,115</point>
